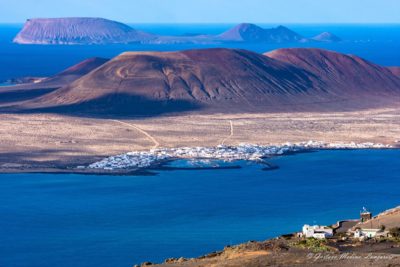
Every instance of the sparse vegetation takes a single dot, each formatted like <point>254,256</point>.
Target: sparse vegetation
<point>341,235</point>
<point>316,245</point>
<point>394,232</point>
<point>67,136</point>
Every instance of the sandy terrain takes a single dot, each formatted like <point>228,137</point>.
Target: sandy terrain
<point>290,250</point>
<point>281,252</point>
<point>46,140</point>
<point>291,259</point>
<point>389,219</point>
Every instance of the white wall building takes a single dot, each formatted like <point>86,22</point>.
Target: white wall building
<point>317,231</point>
<point>368,233</point>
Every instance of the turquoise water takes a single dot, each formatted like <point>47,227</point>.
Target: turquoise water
<point>5,84</point>
<point>88,220</point>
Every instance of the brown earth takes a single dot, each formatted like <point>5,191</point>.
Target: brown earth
<point>11,96</point>
<point>290,250</point>
<point>389,219</point>
<point>68,119</point>
<point>224,81</point>
<point>395,71</point>
<point>50,140</point>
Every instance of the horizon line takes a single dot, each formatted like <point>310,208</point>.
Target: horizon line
<point>220,23</point>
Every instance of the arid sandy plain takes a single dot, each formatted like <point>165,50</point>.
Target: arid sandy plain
<point>48,141</point>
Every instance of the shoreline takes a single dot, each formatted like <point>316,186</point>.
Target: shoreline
<point>246,152</point>
<point>57,143</point>
<point>295,249</point>
<point>152,169</point>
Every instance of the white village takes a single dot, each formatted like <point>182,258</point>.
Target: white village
<point>249,152</point>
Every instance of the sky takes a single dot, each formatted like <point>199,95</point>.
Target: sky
<point>207,11</point>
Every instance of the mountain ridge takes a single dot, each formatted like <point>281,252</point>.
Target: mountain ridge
<point>247,32</point>
<point>78,30</point>
<point>326,37</point>
<point>225,80</point>
<point>395,71</point>
<point>86,30</point>
<point>339,70</point>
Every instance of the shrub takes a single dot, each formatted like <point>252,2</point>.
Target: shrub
<point>316,245</point>
<point>395,231</point>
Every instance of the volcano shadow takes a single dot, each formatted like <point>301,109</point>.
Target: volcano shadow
<point>118,105</point>
<point>9,96</point>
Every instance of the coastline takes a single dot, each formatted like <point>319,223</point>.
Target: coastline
<point>184,183</point>
<point>295,250</point>
<point>201,159</point>
<point>160,165</point>
<point>31,143</point>
<point>62,170</point>
<point>246,152</point>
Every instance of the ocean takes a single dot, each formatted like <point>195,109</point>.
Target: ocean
<point>99,220</point>
<point>90,220</point>
<point>379,43</point>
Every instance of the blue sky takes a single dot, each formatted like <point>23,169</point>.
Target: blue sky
<point>212,11</point>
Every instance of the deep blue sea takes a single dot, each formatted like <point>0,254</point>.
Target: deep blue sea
<point>86,220</point>
<point>376,42</point>
<point>63,220</point>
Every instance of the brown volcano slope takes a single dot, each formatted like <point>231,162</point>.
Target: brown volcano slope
<point>395,71</point>
<point>346,75</point>
<point>223,80</point>
<point>28,91</point>
<point>76,71</point>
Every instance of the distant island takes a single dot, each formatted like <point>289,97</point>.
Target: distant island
<point>78,31</point>
<point>74,31</point>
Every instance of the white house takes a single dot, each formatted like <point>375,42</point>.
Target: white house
<point>368,233</point>
<point>317,231</point>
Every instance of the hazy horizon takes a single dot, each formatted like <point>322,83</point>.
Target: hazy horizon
<point>210,12</point>
<point>219,23</point>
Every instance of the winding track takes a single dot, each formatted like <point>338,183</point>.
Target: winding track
<point>151,138</point>
<point>230,135</point>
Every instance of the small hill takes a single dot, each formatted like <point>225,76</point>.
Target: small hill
<point>82,68</point>
<point>78,31</point>
<point>247,32</point>
<point>29,91</point>
<point>326,37</point>
<point>68,75</point>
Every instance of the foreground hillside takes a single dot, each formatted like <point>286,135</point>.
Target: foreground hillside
<point>227,81</point>
<point>293,251</point>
